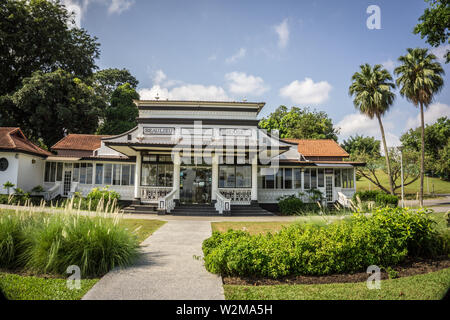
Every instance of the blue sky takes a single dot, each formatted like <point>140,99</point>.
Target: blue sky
<point>300,53</point>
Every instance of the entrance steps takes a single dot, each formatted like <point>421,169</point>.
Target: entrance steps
<point>142,209</point>
<point>249,211</point>
<point>202,210</point>
<point>195,210</point>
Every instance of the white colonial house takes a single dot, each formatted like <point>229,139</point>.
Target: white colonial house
<point>183,156</point>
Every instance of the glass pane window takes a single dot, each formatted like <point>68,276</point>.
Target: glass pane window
<point>107,178</point>
<point>148,174</point>
<point>47,171</point>
<point>320,178</point>
<point>116,174</point>
<point>344,179</point>
<point>227,177</point>
<point>59,171</point>
<point>83,173</point>
<point>132,174</point>
<point>243,176</point>
<point>279,178</point>
<point>307,176</point>
<point>269,175</point>
<point>99,173</point>
<point>337,178</point>
<point>288,178</point>
<point>297,178</point>
<point>89,173</point>
<point>169,175</point>
<point>125,175</point>
<point>76,172</point>
<point>313,178</point>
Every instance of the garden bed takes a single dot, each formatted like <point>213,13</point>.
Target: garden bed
<point>406,269</point>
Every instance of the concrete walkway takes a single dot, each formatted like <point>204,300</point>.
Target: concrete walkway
<point>171,268</point>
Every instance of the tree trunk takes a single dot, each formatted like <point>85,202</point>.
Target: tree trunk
<point>386,155</point>
<point>422,155</point>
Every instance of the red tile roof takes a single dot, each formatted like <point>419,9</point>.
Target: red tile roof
<point>87,142</point>
<point>319,148</point>
<point>12,138</point>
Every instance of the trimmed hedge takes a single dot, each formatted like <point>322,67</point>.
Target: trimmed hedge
<point>385,238</point>
<point>380,198</point>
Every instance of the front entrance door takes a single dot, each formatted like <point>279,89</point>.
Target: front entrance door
<point>67,182</point>
<point>195,185</point>
<point>329,188</point>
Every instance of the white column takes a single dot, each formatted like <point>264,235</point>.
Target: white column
<point>303,179</point>
<point>137,176</point>
<point>215,175</point>
<point>354,178</point>
<point>176,174</point>
<point>255,177</point>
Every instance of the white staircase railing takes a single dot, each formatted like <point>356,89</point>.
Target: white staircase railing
<point>53,192</point>
<point>222,204</point>
<point>344,200</point>
<point>167,202</point>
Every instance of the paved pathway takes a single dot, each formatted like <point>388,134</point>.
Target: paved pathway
<point>167,270</point>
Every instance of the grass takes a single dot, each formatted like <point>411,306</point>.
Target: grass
<point>430,184</point>
<point>146,227</point>
<point>431,286</point>
<point>18,287</point>
<point>43,287</point>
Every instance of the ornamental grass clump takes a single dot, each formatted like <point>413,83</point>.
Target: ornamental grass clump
<point>385,238</point>
<point>49,243</point>
<point>95,244</point>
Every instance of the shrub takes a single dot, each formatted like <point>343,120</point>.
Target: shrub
<point>366,195</point>
<point>51,243</point>
<point>384,199</point>
<point>386,238</point>
<point>290,205</point>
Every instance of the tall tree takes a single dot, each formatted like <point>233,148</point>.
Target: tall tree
<point>300,123</point>
<point>359,144</point>
<point>41,35</point>
<point>419,80</point>
<point>371,88</point>
<point>121,114</point>
<point>108,80</point>
<point>434,24</point>
<point>53,104</point>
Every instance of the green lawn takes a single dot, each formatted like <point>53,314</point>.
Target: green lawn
<point>430,184</point>
<point>24,287</point>
<point>431,286</point>
<point>17,287</point>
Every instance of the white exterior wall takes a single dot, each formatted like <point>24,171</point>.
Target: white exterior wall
<point>11,172</point>
<point>30,174</point>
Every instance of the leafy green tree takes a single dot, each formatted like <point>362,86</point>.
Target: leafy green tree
<point>121,114</point>
<point>419,79</point>
<point>360,144</point>
<point>41,35</point>
<point>55,103</point>
<point>375,165</point>
<point>436,139</point>
<point>371,88</point>
<point>434,25</point>
<point>108,80</point>
<point>443,165</point>
<point>300,123</point>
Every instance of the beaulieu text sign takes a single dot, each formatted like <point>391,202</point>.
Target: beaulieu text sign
<point>158,131</point>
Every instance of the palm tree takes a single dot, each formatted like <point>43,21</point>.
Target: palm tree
<point>371,88</point>
<point>419,79</point>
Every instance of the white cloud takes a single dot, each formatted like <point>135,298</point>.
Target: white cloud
<point>357,123</point>
<point>79,7</point>
<point>119,6</point>
<point>241,83</point>
<point>185,92</point>
<point>431,114</point>
<point>282,31</point>
<point>306,91</point>
<point>237,56</point>
<point>159,77</point>
<point>162,88</point>
<point>440,52</point>
<point>389,65</point>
